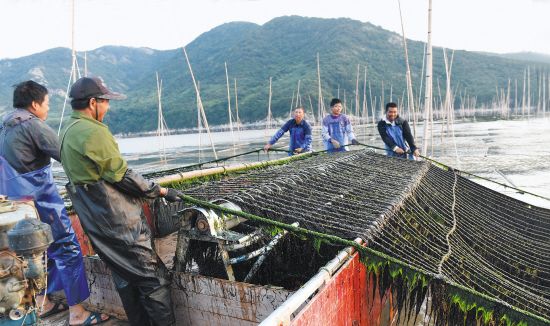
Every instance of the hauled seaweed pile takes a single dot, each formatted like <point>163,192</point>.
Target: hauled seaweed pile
<point>478,256</point>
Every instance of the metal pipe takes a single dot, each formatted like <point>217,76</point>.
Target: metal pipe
<point>248,256</point>
<point>281,316</point>
<point>250,239</point>
<point>261,259</point>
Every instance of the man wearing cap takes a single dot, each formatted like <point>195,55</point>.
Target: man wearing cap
<point>27,145</point>
<point>336,130</point>
<point>108,197</point>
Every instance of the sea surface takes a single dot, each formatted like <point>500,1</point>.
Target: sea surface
<point>512,152</point>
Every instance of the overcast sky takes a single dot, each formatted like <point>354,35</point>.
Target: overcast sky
<point>30,26</point>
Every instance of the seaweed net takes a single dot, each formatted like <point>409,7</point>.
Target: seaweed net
<point>450,228</point>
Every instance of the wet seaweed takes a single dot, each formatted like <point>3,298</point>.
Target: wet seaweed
<point>496,271</point>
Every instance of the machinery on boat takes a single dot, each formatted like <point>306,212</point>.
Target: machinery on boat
<point>23,240</point>
<point>208,226</point>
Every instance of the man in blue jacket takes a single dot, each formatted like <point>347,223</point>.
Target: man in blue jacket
<point>337,131</point>
<point>300,134</point>
<point>396,134</point>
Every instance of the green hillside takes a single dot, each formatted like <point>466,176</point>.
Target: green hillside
<point>284,48</point>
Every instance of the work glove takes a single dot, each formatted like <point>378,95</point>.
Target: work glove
<point>298,150</point>
<point>354,142</point>
<point>399,151</point>
<point>335,143</point>
<point>172,195</point>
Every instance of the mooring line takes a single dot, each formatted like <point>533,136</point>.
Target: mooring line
<point>258,150</point>
<point>453,229</point>
<point>467,173</point>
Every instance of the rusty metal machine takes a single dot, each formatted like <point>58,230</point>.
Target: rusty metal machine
<point>207,225</point>
<point>23,240</point>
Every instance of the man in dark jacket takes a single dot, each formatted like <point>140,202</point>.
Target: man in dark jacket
<point>396,134</point>
<point>300,134</point>
<point>108,198</point>
<point>27,145</point>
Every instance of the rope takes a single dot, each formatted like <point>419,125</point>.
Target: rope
<point>453,229</point>
<point>464,172</point>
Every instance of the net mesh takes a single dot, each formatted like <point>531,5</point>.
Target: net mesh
<point>430,218</point>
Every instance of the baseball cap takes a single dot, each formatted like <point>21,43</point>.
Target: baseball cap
<point>88,87</point>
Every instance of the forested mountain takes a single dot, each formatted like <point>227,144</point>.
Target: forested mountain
<point>284,48</point>
<point>529,56</point>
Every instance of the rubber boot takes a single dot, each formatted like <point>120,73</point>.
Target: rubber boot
<point>130,297</point>
<point>158,304</point>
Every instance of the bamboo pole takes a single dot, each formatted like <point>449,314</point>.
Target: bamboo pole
<point>365,107</point>
<point>161,123</point>
<point>516,96</point>
<point>320,105</point>
<point>268,122</point>
<point>382,98</point>
<point>298,96</point>
<point>544,95</point>
<point>85,64</point>
<point>410,98</point>
<point>528,91</point>
<point>237,110</point>
<point>508,99</point>
<point>345,104</point>
<point>311,108</point>
<point>201,107</point>
<point>199,126</point>
<point>357,112</point>
<point>291,106</point>
<point>72,75</point>
<point>428,93</point>
<point>423,70</point>
<point>539,101</point>
<point>523,98</point>
<point>229,114</point>
<point>372,106</point>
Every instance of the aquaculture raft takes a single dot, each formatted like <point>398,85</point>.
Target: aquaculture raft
<point>478,255</point>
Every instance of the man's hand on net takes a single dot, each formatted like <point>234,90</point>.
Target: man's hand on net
<point>335,143</point>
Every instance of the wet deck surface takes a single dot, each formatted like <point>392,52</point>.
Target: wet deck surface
<point>62,319</point>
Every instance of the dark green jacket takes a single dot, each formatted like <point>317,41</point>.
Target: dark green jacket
<point>89,152</point>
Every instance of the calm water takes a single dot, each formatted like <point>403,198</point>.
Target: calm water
<point>513,152</point>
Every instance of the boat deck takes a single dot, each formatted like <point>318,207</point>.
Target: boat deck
<point>62,319</point>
